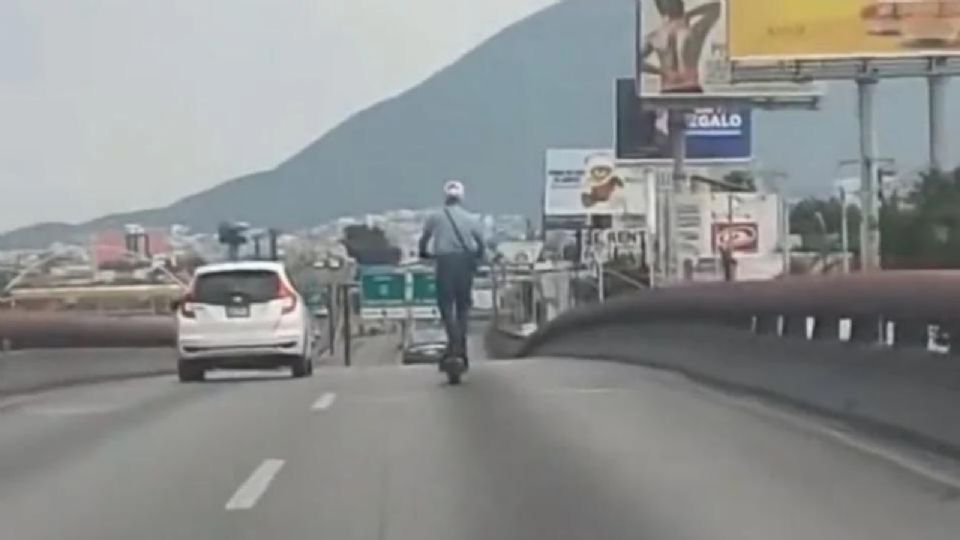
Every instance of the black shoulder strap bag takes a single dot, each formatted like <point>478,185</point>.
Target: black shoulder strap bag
<point>463,243</point>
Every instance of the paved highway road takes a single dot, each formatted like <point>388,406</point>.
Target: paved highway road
<point>538,449</point>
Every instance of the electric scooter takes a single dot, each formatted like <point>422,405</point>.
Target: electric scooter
<point>454,369</point>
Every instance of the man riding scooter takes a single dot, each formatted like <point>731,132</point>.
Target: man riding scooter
<point>458,246</point>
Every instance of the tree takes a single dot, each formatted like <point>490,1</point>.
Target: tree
<point>922,229</point>
<point>918,229</point>
<point>5,277</point>
<point>741,181</point>
<point>369,246</point>
<point>819,224</point>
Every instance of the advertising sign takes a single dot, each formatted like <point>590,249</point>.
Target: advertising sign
<point>682,49</point>
<point>520,252</point>
<point>588,182</point>
<point>712,134</point>
<point>613,244</point>
<point>823,29</point>
<point>690,212</point>
<point>748,222</point>
<point>708,221</point>
<point>482,299</point>
<point>738,237</point>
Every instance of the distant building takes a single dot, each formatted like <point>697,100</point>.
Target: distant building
<point>112,246</point>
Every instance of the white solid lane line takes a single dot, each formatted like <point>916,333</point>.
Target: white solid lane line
<point>324,402</point>
<point>850,440</point>
<point>250,491</point>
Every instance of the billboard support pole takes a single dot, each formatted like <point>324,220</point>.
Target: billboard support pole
<point>937,87</point>
<point>785,234</point>
<point>870,225</point>
<point>678,150</point>
<point>844,231</point>
<point>601,278</point>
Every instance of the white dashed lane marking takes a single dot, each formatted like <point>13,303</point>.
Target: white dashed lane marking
<point>324,402</point>
<point>249,492</point>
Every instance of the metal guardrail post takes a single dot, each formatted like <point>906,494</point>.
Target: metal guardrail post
<point>332,318</point>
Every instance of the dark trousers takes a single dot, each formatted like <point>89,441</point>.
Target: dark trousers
<point>454,298</point>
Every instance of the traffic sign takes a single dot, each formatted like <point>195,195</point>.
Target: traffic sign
<point>386,289</point>
<point>389,292</point>
<point>424,289</point>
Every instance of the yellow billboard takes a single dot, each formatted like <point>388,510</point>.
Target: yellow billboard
<point>801,29</point>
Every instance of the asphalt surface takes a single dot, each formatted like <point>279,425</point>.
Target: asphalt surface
<point>530,449</point>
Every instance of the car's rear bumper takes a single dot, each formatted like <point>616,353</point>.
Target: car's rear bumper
<point>241,362</point>
<point>204,350</point>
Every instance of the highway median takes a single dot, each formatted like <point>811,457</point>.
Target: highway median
<point>45,350</point>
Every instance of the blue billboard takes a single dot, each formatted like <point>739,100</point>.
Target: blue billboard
<point>712,134</point>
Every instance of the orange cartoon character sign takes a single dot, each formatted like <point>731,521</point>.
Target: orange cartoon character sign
<point>603,188</point>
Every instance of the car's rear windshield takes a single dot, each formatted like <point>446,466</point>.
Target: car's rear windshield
<point>252,285</point>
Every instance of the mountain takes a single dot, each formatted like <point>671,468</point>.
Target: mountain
<point>546,81</point>
<point>487,119</point>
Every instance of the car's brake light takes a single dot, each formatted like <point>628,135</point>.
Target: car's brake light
<point>187,308</point>
<point>289,298</point>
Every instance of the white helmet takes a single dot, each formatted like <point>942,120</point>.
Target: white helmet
<point>453,189</point>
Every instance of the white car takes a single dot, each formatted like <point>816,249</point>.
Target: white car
<point>243,315</point>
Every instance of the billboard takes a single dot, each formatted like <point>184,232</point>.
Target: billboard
<point>740,237</point>
<point>682,49</point>
<point>521,252</point>
<point>110,247</point>
<point>589,182</point>
<point>748,222</point>
<point>712,134</point>
<point>824,29</point>
<point>611,244</point>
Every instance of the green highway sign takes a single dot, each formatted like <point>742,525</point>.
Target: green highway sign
<point>391,292</point>
<point>383,289</point>
<point>424,289</point>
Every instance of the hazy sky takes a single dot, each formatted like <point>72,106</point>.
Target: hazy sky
<point>110,105</point>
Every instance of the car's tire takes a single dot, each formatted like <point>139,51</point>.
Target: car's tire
<point>189,373</point>
<point>300,367</point>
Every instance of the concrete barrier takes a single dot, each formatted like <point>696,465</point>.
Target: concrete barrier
<point>916,302</point>
<point>29,371</point>
<point>25,330</point>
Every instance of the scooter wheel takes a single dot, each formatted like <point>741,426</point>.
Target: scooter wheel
<point>454,369</point>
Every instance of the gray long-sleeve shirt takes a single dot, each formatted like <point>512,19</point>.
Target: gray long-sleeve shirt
<point>445,242</point>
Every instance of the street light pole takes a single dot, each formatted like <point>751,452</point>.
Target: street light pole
<point>844,231</point>
<point>868,193</point>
